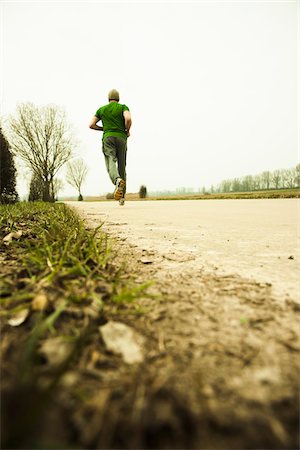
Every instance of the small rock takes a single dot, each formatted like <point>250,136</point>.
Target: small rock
<point>179,257</point>
<point>291,257</point>
<point>123,340</point>
<point>146,261</point>
<point>56,350</point>
<point>69,379</point>
<point>39,302</point>
<point>266,375</point>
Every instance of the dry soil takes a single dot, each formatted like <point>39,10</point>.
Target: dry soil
<point>221,332</point>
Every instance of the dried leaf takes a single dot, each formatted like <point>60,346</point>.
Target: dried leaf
<point>13,235</point>
<point>18,318</point>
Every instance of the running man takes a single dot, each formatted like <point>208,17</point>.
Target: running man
<point>116,123</point>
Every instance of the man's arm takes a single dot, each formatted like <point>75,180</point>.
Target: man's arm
<point>93,124</point>
<point>128,121</point>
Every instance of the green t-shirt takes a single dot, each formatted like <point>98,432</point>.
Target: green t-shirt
<point>112,119</point>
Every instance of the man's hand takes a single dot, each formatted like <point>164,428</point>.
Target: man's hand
<point>93,124</point>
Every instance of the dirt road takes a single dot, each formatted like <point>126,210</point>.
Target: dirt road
<point>221,353</point>
<point>257,239</point>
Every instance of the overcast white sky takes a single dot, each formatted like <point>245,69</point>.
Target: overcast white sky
<point>212,86</point>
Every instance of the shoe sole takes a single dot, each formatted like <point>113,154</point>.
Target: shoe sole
<point>119,190</point>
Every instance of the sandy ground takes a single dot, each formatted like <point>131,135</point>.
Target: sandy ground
<point>257,239</point>
<point>222,341</point>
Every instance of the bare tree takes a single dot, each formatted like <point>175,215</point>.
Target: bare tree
<point>276,178</point>
<point>57,185</point>
<point>247,183</point>
<point>257,182</point>
<point>236,185</point>
<point>76,175</point>
<point>297,168</point>
<point>225,185</point>
<point>283,178</point>
<point>266,179</point>
<point>41,138</point>
<point>290,176</point>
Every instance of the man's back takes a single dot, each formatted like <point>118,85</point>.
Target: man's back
<point>112,119</point>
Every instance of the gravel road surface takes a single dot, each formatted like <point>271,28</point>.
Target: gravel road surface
<point>257,239</point>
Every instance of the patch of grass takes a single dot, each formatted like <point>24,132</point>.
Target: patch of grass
<point>54,242</point>
<point>64,277</point>
<point>244,320</point>
<point>50,248</point>
<point>129,294</point>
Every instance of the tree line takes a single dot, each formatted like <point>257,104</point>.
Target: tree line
<point>276,179</point>
<point>42,139</point>
<point>267,180</point>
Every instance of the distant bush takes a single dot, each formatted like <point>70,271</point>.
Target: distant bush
<point>109,196</point>
<point>36,189</point>
<point>143,192</point>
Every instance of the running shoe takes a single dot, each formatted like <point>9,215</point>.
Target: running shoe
<point>120,186</point>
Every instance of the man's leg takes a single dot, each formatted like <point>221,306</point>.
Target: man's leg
<point>109,149</point>
<point>121,157</point>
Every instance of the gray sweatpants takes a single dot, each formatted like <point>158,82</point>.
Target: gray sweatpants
<point>115,151</point>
